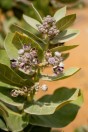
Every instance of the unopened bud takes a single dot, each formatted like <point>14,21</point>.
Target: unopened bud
<point>44,87</point>
<point>21,51</point>
<point>57,54</point>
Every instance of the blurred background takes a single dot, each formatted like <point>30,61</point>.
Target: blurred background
<point>11,12</point>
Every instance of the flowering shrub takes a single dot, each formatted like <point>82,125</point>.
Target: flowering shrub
<point>21,65</point>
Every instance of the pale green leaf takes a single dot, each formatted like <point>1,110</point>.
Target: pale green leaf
<point>8,76</point>
<point>66,21</point>
<point>1,42</point>
<point>60,14</point>
<point>3,125</point>
<point>5,85</point>
<point>48,105</point>
<point>4,58</point>
<point>65,74</point>
<point>21,39</point>
<point>9,47</point>
<point>37,13</point>
<point>14,121</point>
<point>5,96</point>
<point>61,117</point>
<point>32,22</point>
<point>65,36</point>
<point>29,34</point>
<point>63,48</point>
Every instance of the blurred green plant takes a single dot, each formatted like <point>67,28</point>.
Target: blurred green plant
<point>22,61</point>
<point>82,129</point>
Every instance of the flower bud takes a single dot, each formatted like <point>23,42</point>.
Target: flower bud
<point>14,93</point>
<point>57,54</point>
<point>44,87</point>
<point>61,64</point>
<point>26,47</point>
<point>21,51</point>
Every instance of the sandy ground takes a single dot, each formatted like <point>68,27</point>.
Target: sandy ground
<point>78,58</point>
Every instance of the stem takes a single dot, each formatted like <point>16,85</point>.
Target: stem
<point>31,96</point>
<point>47,41</point>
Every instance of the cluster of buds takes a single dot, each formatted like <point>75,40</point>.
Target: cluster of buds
<point>27,60</point>
<point>55,61</point>
<point>22,92</point>
<point>44,87</point>
<point>48,27</point>
<point>25,91</point>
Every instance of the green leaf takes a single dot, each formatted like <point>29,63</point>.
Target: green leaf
<point>3,125</point>
<point>34,37</point>
<point>65,36</point>
<point>65,56</point>
<point>32,128</point>
<point>61,117</point>
<point>6,97</point>
<point>49,104</point>
<point>32,22</point>
<point>15,122</point>
<point>5,85</point>
<point>4,58</point>
<point>20,39</point>
<point>83,128</point>
<point>60,14</point>
<point>63,48</point>
<point>9,47</point>
<point>8,76</point>
<point>1,42</point>
<point>64,75</point>
<point>66,21</point>
<point>37,13</point>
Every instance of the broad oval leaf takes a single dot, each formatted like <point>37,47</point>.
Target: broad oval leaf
<point>64,75</point>
<point>8,76</point>
<point>32,22</point>
<point>20,39</point>
<point>61,117</point>
<point>3,125</point>
<point>66,21</point>
<point>18,121</point>
<point>9,47</point>
<point>4,58</point>
<point>60,14</point>
<point>65,36</point>
<point>31,35</point>
<point>6,97</point>
<point>49,104</point>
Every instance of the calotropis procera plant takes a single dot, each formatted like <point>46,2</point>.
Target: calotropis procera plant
<point>21,69</point>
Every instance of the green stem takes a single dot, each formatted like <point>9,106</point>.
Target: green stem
<point>31,96</point>
<point>47,41</point>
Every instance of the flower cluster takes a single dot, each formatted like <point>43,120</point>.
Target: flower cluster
<point>22,92</point>
<point>48,27</point>
<point>27,60</point>
<point>25,91</point>
<point>55,60</point>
